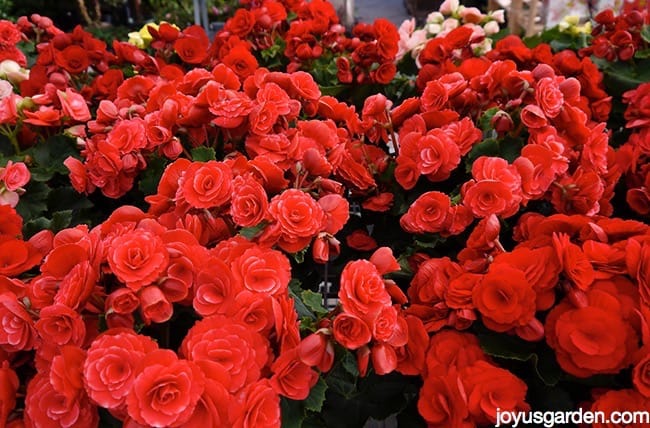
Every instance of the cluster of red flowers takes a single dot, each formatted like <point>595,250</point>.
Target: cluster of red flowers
<point>285,169</point>
<point>231,365</point>
<point>637,148</point>
<point>10,35</point>
<point>566,159</point>
<point>372,319</point>
<point>13,178</point>
<point>618,37</point>
<point>315,33</point>
<point>462,387</point>
<point>598,327</point>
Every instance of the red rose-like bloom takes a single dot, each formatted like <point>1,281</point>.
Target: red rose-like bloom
<point>74,59</point>
<point>489,388</point>
<point>231,344</point>
<point>291,377</point>
<point>8,387</point>
<point>442,402</point>
<point>154,305</point>
<point>17,332</point>
<point>241,61</point>
<point>215,288</point>
<point>260,407</point>
<point>449,348</point>
<point>249,201</point>
<point>45,407</point>
<point>641,375</point>
<point>262,270</point>
<point>541,268</point>
<point>360,240</point>
<point>299,216</point>
<point>192,46</point>
<point>488,197</point>
<point>74,105</point>
<point>351,331</point>
<point>12,223</point>
<point>548,96</point>
<point>137,258</point>
<point>78,175</point>
<point>241,23</point>
<point>624,400</point>
<point>165,393</point>
<point>17,256</point>
<point>438,155</point>
<point>337,212</point>
<point>427,214</point>
<point>66,371</point>
<point>111,365</point>
<point>61,325</point>
<point>590,340</point>
<point>505,298</point>
<point>15,175</point>
<point>207,185</point>
<point>410,358</point>
<point>212,409</point>
<point>362,291</point>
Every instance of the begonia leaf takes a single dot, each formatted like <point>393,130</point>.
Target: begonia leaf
<point>293,413</point>
<point>313,301</point>
<point>203,154</point>
<point>316,398</point>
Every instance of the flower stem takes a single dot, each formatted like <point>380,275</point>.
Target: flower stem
<point>11,134</point>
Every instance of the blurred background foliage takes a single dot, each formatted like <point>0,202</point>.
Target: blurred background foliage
<point>110,19</point>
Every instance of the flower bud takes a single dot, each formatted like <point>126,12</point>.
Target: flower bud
<point>502,123</point>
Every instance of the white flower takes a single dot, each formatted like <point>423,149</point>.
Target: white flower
<point>13,72</point>
<point>435,18</point>
<point>450,24</point>
<point>482,48</point>
<point>5,89</point>
<point>498,15</point>
<point>434,28</point>
<point>491,27</point>
<point>449,7</point>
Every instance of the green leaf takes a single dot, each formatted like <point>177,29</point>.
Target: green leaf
<point>487,147</point>
<point>430,241</point>
<point>513,348</point>
<point>333,90</point>
<point>295,286</point>
<point>316,398</point>
<point>203,154</point>
<point>642,54</point>
<point>485,121</point>
<point>60,220</point>
<point>31,227</point>
<point>65,197</point>
<point>349,363</point>
<point>313,301</point>
<point>251,232</point>
<point>151,176</point>
<point>645,33</point>
<point>342,378</point>
<point>293,413</point>
<point>34,202</point>
<point>6,149</point>
<point>50,154</point>
<point>301,309</point>
<point>299,257</point>
<point>342,383</point>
